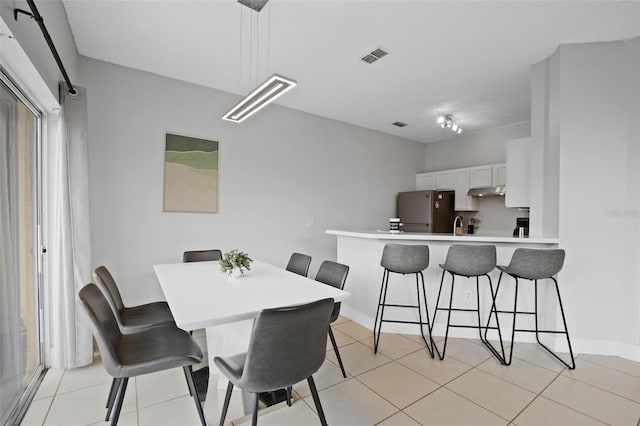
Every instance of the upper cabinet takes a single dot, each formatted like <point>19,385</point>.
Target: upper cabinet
<point>425,181</point>
<point>446,180</point>
<point>461,180</point>
<point>491,175</point>
<point>463,202</point>
<point>499,174</point>
<point>518,172</point>
<point>481,177</point>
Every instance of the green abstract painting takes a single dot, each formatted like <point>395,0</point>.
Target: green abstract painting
<point>190,174</point>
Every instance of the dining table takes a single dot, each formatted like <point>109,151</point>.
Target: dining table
<point>201,296</point>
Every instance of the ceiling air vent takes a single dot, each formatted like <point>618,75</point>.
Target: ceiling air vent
<point>373,56</point>
<point>399,124</point>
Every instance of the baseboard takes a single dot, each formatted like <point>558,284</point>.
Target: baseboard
<point>579,346</point>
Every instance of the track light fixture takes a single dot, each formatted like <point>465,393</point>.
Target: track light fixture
<point>449,122</point>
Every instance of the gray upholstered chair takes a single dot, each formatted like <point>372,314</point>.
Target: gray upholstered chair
<point>129,355</point>
<point>534,265</point>
<point>299,264</point>
<point>335,275</point>
<point>472,262</point>
<point>130,319</point>
<point>201,255</point>
<point>287,346</point>
<point>135,318</point>
<point>403,259</point>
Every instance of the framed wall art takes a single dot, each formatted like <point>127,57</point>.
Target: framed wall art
<point>190,174</point>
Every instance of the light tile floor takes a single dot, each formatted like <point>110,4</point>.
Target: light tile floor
<point>401,385</point>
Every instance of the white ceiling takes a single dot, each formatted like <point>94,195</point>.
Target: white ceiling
<point>468,58</point>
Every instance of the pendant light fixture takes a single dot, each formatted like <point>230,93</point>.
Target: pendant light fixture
<point>271,89</point>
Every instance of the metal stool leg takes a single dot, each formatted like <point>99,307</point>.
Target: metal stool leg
<point>446,334</point>
<point>381,304</point>
<point>501,357</point>
<point>426,309</point>
<point>564,321</point>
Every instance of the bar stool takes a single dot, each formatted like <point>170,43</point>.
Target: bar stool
<point>534,265</point>
<point>468,261</point>
<point>403,259</point>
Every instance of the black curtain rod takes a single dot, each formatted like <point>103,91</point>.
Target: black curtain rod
<point>38,18</point>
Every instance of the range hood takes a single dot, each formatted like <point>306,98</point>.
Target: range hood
<point>489,191</point>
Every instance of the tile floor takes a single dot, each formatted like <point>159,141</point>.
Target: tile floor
<point>401,385</point>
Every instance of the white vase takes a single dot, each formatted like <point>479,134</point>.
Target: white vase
<point>234,273</point>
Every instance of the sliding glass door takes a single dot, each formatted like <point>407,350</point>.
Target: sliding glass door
<point>20,334</point>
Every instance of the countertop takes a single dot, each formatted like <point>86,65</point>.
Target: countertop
<point>415,236</point>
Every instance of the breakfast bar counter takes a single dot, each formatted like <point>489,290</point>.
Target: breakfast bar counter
<point>362,251</point>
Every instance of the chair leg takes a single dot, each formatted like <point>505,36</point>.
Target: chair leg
<point>187,379</point>
<point>335,349</point>
<point>188,372</point>
<point>377,326</point>
<point>426,309</point>
<point>115,385</point>
<point>112,392</point>
<point>316,400</point>
<point>225,407</point>
<point>289,388</point>
<point>254,417</point>
<point>122,390</point>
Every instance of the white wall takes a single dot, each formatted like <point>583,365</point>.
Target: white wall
<point>473,149</point>
<point>277,169</point>
<point>592,104</point>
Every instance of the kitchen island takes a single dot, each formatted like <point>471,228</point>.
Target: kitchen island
<point>362,250</point>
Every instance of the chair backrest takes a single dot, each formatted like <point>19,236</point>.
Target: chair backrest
<point>103,325</point>
<point>299,264</point>
<point>201,255</point>
<point>470,261</point>
<point>333,274</point>
<point>108,285</point>
<point>287,345</point>
<point>405,258</point>
<point>536,264</point>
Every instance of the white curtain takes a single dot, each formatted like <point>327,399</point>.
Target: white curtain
<point>71,344</point>
<point>10,371</point>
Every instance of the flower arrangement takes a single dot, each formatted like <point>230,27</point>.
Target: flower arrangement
<point>235,259</point>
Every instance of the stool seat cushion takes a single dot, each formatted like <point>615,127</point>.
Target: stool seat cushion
<point>470,261</point>
<point>535,264</point>
<point>405,258</point>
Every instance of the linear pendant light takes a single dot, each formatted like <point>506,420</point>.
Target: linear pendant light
<point>274,87</point>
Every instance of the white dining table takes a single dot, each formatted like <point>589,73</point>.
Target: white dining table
<point>201,296</point>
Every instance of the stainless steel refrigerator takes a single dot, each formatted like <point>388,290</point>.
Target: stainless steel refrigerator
<point>426,211</point>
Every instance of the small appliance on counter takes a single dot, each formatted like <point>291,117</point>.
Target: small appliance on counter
<point>426,211</point>
<point>522,227</point>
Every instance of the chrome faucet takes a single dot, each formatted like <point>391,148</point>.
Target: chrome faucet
<point>455,222</point>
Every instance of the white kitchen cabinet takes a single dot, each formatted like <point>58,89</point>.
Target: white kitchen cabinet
<point>480,177</point>
<point>425,181</point>
<point>446,180</point>
<point>499,174</point>
<point>463,202</point>
<point>518,173</point>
